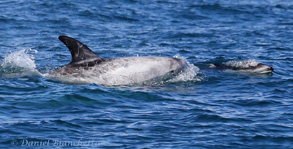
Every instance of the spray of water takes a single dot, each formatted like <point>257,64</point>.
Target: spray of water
<point>189,73</point>
<point>19,64</point>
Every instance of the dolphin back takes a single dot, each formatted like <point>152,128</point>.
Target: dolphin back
<point>80,52</point>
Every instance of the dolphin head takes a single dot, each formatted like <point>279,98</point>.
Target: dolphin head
<point>261,68</point>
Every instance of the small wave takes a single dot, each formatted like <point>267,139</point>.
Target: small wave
<point>19,64</point>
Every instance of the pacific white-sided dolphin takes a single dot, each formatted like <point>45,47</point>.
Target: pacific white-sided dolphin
<point>86,65</point>
<point>248,66</point>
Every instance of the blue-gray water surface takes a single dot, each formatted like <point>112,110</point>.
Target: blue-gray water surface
<point>216,109</point>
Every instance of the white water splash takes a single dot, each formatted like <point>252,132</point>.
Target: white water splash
<point>19,64</point>
<point>189,73</point>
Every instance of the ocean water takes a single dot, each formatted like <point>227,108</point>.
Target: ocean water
<point>201,108</point>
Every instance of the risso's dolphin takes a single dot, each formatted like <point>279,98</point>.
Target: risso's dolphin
<point>86,65</point>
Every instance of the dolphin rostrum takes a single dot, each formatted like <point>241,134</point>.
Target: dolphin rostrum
<point>86,66</point>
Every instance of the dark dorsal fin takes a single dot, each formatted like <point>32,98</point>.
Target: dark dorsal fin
<point>80,53</point>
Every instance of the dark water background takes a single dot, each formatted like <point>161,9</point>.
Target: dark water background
<point>221,110</point>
